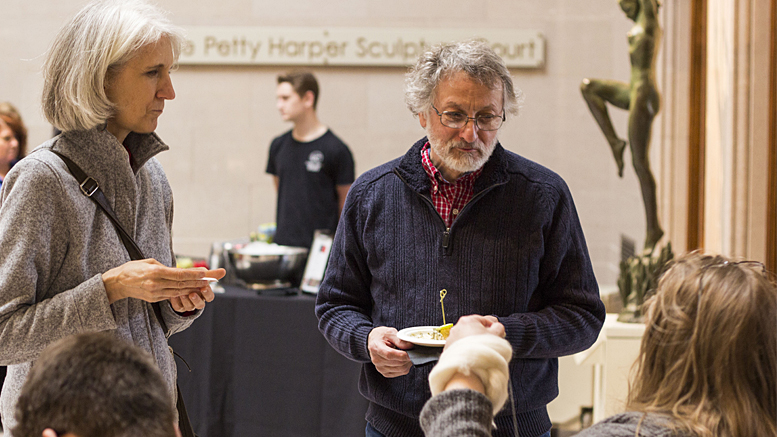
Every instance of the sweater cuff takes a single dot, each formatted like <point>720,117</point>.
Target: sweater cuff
<point>362,337</point>
<point>175,321</point>
<point>91,301</point>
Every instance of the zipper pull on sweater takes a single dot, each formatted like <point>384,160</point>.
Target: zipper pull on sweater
<point>446,238</point>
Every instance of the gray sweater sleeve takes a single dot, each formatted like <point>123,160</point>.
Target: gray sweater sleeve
<point>39,302</point>
<point>459,412</point>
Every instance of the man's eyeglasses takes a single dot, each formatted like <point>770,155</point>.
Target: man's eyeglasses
<point>457,120</point>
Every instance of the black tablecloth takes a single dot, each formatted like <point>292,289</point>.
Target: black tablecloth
<point>260,367</point>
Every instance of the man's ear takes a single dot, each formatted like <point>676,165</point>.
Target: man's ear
<point>309,98</point>
<point>422,119</point>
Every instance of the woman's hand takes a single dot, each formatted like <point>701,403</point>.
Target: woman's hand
<point>152,281</point>
<point>475,325</point>
<point>196,301</point>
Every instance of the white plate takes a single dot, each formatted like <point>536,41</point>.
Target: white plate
<point>209,279</point>
<point>407,335</point>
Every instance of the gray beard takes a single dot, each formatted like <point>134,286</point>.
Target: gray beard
<point>456,162</point>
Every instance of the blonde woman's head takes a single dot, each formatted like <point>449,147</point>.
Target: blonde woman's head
<point>709,353</point>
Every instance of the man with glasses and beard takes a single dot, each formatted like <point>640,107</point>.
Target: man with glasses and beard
<point>459,212</point>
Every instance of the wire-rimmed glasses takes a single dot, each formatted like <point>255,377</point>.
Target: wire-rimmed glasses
<point>457,120</point>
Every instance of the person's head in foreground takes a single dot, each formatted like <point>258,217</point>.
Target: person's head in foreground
<point>94,385</point>
<point>709,353</point>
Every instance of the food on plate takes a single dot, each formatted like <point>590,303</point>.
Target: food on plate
<point>444,330</point>
<point>422,336</point>
<point>426,334</point>
<point>435,333</point>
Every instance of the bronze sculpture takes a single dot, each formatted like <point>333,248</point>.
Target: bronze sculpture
<point>641,98</point>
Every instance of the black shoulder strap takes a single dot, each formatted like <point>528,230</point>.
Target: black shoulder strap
<point>91,189</point>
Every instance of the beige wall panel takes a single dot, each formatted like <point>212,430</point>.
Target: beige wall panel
<point>673,73</point>
<point>719,126</point>
<point>736,187</point>
<point>758,177</point>
<point>742,130</point>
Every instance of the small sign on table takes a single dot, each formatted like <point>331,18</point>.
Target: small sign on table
<point>317,261</point>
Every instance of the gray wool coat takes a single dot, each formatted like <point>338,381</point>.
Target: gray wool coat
<point>56,243</point>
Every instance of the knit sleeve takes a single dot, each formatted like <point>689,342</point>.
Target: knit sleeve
<point>460,412</point>
<point>343,303</point>
<point>34,242</point>
<point>570,312</point>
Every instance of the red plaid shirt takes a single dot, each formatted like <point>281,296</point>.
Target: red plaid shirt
<point>448,198</point>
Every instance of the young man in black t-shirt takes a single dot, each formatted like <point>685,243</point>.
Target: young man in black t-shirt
<point>311,167</point>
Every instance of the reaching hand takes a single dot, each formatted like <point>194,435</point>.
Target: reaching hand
<point>478,363</point>
<point>475,325</point>
<point>386,352</point>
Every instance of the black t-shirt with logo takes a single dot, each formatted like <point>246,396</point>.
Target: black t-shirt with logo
<point>308,176</point>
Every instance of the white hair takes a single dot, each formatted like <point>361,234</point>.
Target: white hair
<point>96,43</point>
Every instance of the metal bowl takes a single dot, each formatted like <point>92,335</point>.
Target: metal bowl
<point>259,262</point>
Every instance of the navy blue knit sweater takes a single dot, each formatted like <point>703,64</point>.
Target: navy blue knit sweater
<point>516,251</point>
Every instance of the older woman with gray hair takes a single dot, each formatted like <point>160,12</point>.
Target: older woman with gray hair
<point>65,268</point>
